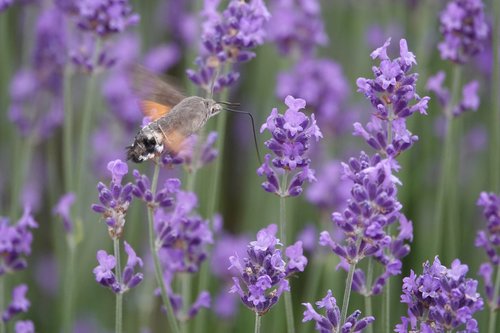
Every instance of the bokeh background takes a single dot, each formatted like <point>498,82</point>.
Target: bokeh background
<point>167,40</point>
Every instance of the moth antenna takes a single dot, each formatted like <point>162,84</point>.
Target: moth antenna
<point>229,103</point>
<point>253,130</point>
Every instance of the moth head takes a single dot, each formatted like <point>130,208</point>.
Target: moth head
<point>213,107</point>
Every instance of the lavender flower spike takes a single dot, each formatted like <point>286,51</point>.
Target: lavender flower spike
<point>292,134</point>
<point>464,30</point>
<point>264,273</point>
<point>18,304</point>
<point>441,299</point>
<point>331,321</point>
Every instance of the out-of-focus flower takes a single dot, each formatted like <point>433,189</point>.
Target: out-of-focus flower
<point>105,17</point>
<point>441,299</point>
<point>331,321</point>
<point>323,85</point>
<point>264,273</point>
<point>296,26</point>
<point>18,304</point>
<point>489,240</point>
<point>464,30</point>
<point>435,84</point>
<point>105,275</point>
<point>391,93</point>
<point>63,210</point>
<point>292,133</point>
<point>15,242</point>
<point>24,326</point>
<point>470,99</point>
<point>193,154</point>
<point>115,199</point>
<point>228,38</point>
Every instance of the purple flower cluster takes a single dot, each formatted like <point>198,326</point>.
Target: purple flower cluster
<point>63,210</point>
<point>15,242</point>
<point>162,198</point>
<point>291,137</point>
<point>323,85</point>
<point>464,30</point>
<point>24,326</point>
<point>371,208</point>
<point>107,263</point>
<point>296,25</point>
<point>105,17</point>
<point>18,304</point>
<point>469,100</point>
<point>228,38</point>
<point>264,272</point>
<point>391,93</point>
<point>114,199</point>
<point>489,240</point>
<point>331,322</point>
<point>182,236</point>
<point>440,299</point>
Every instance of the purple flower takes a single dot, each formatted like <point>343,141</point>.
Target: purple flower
<point>263,272</point>
<point>15,242</point>
<point>464,30</point>
<point>470,99</point>
<point>163,197</point>
<point>115,199</point>
<point>182,236</point>
<point>228,38</point>
<point>291,137</point>
<point>18,304</point>
<point>105,275</point>
<point>442,298</point>
<point>296,26</point>
<point>435,85</point>
<point>323,85</point>
<point>25,326</point>
<point>391,93</point>
<point>63,210</point>
<point>331,321</point>
<point>105,17</point>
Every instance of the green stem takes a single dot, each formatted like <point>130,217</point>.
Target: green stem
<point>347,293</point>
<point>387,307</point>
<point>119,295</point>
<point>494,307</point>
<point>186,299</point>
<point>2,302</point>
<point>22,161</point>
<point>447,166</point>
<point>68,131</point>
<point>495,88</point>
<point>86,121</point>
<point>288,296</point>
<point>172,321</point>
<point>69,285</point>
<point>257,323</point>
<point>368,298</point>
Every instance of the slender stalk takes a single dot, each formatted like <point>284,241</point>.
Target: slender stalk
<point>447,166</point>
<point>87,116</point>
<point>387,307</point>
<point>257,323</point>
<point>22,161</point>
<point>368,298</point>
<point>172,321</point>
<point>288,296</point>
<point>347,293</point>
<point>68,131</point>
<point>69,285</point>
<point>494,309</point>
<point>2,302</point>
<point>186,299</point>
<point>119,295</point>
<point>495,88</point>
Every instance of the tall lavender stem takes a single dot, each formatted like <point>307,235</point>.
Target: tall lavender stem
<point>368,299</point>
<point>186,298</point>
<point>69,284</point>
<point>172,321</point>
<point>288,296</point>
<point>447,166</point>
<point>119,295</point>
<point>2,302</point>
<point>257,323</point>
<point>88,111</point>
<point>68,131</point>
<point>347,293</point>
<point>493,310</point>
<point>495,88</point>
